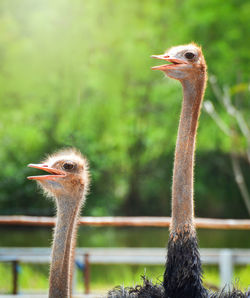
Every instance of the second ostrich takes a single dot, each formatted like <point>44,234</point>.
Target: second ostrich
<point>67,183</point>
<point>182,277</point>
<point>183,274</point>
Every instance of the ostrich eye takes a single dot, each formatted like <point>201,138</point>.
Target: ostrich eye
<point>189,55</point>
<point>68,166</point>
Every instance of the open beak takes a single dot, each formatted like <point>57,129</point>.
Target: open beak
<point>168,58</point>
<point>55,173</point>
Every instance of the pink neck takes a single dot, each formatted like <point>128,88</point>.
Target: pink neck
<point>62,250</point>
<point>182,191</point>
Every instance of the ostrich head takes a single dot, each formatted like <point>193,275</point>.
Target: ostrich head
<point>68,174</point>
<point>187,62</point>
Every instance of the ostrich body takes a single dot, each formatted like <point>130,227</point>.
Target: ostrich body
<point>67,184</point>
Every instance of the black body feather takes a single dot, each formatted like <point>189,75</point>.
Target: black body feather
<point>183,274</point>
<point>147,290</point>
<point>150,290</point>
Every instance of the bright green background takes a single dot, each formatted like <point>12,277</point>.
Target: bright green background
<point>77,73</point>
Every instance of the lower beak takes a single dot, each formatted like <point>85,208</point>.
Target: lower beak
<point>161,67</point>
<point>55,173</point>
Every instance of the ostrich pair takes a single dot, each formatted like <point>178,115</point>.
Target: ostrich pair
<point>68,184</point>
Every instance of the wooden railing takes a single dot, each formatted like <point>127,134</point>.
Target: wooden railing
<point>119,221</point>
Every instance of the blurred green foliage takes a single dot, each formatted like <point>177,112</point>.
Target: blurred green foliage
<point>77,73</point>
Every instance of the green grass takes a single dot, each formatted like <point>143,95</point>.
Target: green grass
<point>104,277</point>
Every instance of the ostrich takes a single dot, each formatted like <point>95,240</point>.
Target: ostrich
<point>183,273</point>
<point>68,184</point>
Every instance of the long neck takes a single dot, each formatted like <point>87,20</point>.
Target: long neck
<point>64,239</point>
<point>182,191</point>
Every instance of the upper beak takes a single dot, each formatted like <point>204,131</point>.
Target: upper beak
<point>162,57</point>
<point>55,172</point>
<point>168,58</point>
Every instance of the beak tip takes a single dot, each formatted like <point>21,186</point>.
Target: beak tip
<point>155,67</point>
<point>32,165</point>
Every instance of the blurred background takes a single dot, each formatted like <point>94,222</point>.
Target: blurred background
<point>77,73</point>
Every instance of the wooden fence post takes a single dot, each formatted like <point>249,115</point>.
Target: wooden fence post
<point>86,273</point>
<point>15,277</point>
